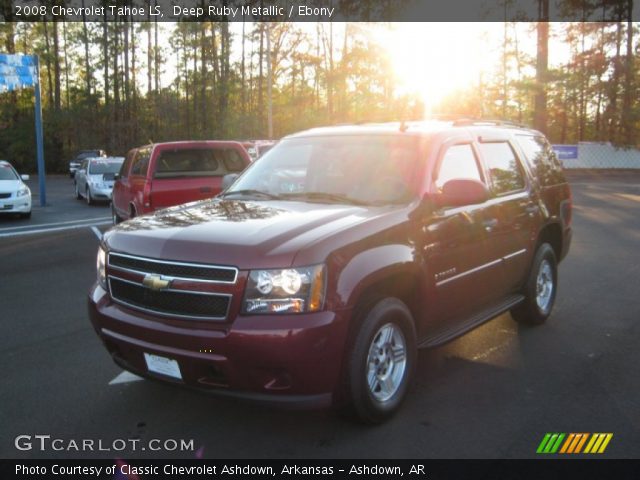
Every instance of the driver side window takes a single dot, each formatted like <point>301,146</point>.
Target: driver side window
<point>459,161</point>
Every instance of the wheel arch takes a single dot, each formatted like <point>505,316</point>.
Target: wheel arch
<point>552,234</point>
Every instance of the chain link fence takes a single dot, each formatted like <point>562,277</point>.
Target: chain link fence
<point>595,155</point>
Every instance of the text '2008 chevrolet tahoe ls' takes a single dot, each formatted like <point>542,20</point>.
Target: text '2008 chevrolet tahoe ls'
<point>313,279</point>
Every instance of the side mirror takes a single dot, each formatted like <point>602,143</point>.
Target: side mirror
<point>462,191</point>
<point>24,177</point>
<point>228,180</point>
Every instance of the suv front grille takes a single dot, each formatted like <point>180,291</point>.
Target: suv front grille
<point>169,302</point>
<point>192,298</point>
<point>175,269</point>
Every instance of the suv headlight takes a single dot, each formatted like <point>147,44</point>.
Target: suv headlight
<point>24,191</point>
<point>100,267</point>
<point>289,290</point>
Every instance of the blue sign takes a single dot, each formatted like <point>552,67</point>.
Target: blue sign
<point>17,71</point>
<point>21,71</point>
<point>566,152</point>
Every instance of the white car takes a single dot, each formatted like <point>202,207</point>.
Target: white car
<point>95,178</point>
<point>15,196</point>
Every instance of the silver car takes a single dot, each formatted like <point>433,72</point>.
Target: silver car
<point>95,177</point>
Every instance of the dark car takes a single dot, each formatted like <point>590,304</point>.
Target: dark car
<point>315,277</point>
<point>74,165</point>
<point>166,174</point>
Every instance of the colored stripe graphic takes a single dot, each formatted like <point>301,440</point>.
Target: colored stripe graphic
<point>568,442</point>
<point>550,443</point>
<point>543,443</point>
<point>556,445</point>
<point>598,443</point>
<point>573,443</point>
<point>581,443</point>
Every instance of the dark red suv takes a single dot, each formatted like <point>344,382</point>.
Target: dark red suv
<point>317,275</point>
<point>165,174</point>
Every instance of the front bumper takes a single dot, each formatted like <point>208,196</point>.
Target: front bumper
<point>101,193</point>
<point>16,204</point>
<point>287,360</point>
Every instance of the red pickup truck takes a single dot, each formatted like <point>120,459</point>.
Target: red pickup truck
<point>166,174</point>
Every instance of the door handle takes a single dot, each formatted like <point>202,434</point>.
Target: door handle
<point>489,225</point>
<point>531,209</point>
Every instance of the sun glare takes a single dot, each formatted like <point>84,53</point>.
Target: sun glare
<point>435,59</point>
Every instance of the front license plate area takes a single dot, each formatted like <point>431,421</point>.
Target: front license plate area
<point>163,365</point>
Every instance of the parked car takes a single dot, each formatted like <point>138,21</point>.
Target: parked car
<point>166,174</point>
<point>316,276</point>
<point>95,178</point>
<point>15,196</point>
<point>74,164</point>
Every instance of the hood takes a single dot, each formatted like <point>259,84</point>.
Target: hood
<point>244,234</point>
<point>11,185</point>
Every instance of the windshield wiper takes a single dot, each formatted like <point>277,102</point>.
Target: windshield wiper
<point>325,196</point>
<point>251,192</point>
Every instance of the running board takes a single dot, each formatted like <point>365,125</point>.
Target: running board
<point>444,336</point>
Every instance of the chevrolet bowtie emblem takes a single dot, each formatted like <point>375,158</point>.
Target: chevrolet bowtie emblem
<point>156,282</point>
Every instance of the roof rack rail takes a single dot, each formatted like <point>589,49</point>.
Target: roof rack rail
<point>450,117</point>
<point>466,122</point>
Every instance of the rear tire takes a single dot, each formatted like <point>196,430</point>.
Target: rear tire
<point>381,361</point>
<point>540,289</point>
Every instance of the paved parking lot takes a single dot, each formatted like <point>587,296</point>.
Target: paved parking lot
<point>62,212</point>
<point>491,394</point>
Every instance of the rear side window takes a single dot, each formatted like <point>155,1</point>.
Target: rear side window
<point>506,173</point>
<point>141,162</point>
<point>198,162</point>
<point>458,161</point>
<point>542,159</point>
<point>124,171</point>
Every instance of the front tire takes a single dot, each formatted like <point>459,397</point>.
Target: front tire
<point>78,196</point>
<point>382,361</point>
<point>88,196</point>
<point>540,289</point>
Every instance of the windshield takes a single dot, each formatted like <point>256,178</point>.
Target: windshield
<point>354,169</point>
<point>101,167</point>
<point>7,172</point>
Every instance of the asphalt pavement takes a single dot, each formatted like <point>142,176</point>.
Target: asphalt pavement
<point>491,394</point>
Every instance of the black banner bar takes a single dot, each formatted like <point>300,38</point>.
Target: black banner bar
<point>547,469</point>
